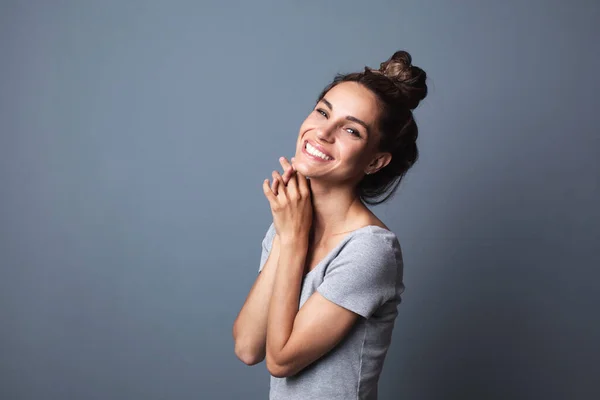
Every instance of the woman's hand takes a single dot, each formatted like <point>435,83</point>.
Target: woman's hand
<point>291,205</point>
<point>288,171</point>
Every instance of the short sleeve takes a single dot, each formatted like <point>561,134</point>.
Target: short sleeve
<point>362,277</point>
<point>267,242</point>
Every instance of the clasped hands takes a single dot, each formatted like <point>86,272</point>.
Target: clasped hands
<point>290,199</point>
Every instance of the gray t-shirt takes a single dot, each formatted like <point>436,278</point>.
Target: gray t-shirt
<point>363,274</point>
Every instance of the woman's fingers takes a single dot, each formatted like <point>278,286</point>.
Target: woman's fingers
<point>292,184</point>
<point>278,183</point>
<point>288,170</point>
<point>275,184</point>
<point>268,193</point>
<point>303,184</point>
<point>281,186</point>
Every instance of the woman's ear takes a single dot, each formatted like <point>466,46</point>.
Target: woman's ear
<point>380,161</point>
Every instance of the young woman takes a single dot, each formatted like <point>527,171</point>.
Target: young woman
<point>323,306</point>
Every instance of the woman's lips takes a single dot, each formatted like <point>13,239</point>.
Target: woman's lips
<point>319,147</point>
<point>314,157</point>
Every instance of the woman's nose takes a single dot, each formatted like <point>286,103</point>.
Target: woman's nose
<point>325,133</point>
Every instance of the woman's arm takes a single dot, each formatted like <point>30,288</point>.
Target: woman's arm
<point>297,338</point>
<point>358,281</point>
<point>250,326</point>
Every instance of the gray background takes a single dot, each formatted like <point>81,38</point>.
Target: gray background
<point>134,139</point>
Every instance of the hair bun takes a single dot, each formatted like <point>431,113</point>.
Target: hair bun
<point>409,79</point>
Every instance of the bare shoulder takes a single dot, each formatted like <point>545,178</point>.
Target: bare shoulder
<point>368,218</point>
<point>379,223</point>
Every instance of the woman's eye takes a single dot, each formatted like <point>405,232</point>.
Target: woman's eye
<point>323,113</point>
<point>352,131</point>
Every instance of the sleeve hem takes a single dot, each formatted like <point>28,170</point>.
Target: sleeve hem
<point>340,302</point>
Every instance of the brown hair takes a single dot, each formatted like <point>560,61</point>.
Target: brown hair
<point>399,86</point>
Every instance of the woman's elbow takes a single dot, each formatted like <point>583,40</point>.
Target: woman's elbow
<point>278,371</point>
<point>247,355</point>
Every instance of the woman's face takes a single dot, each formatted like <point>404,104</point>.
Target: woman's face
<point>343,127</point>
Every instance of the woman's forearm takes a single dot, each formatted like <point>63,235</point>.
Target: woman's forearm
<point>250,326</point>
<point>285,298</point>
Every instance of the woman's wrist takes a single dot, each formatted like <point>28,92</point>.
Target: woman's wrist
<point>298,239</point>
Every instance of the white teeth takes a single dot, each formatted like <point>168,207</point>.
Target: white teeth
<point>311,150</point>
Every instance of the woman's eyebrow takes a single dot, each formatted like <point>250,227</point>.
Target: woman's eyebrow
<point>349,117</point>
<point>328,104</point>
<point>358,121</point>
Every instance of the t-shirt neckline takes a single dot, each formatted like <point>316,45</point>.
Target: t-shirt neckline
<point>343,241</point>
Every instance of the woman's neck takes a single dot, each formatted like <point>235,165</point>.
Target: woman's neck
<point>335,210</point>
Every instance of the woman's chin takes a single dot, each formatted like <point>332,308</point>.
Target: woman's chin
<point>303,169</point>
<point>309,169</point>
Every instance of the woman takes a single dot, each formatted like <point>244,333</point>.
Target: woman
<point>323,306</point>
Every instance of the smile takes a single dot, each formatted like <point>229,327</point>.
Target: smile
<point>312,151</point>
